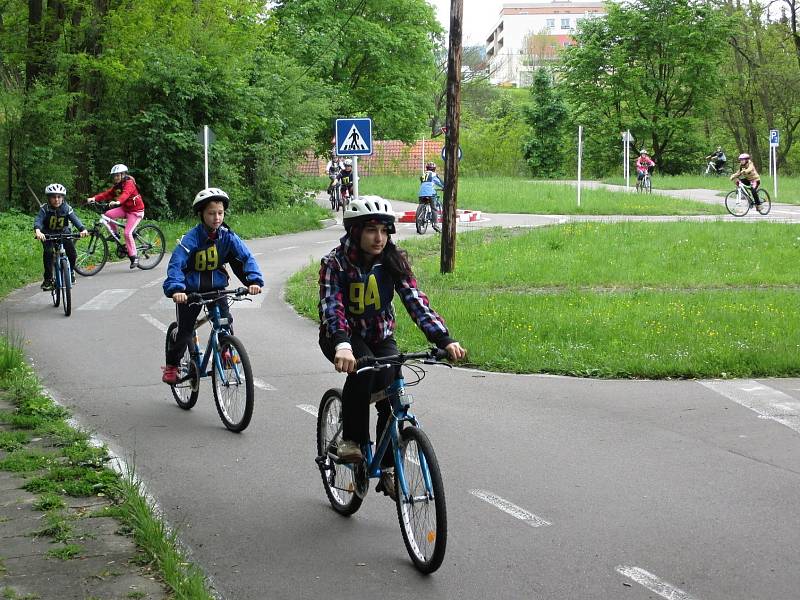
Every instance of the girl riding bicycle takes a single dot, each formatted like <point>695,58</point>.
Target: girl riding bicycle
<point>55,217</point>
<point>748,176</point>
<point>125,201</point>
<point>357,282</point>
<point>198,265</point>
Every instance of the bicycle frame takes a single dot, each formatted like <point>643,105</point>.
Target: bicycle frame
<point>202,359</point>
<point>59,254</point>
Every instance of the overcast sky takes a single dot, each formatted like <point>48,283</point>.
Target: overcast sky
<point>479,18</point>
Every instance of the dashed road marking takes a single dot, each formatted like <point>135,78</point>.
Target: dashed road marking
<point>263,385</point>
<point>327,242</point>
<point>510,508</point>
<point>286,248</point>
<point>154,283</point>
<point>154,322</point>
<point>767,402</point>
<point>653,583</point>
<point>312,410</point>
<point>107,299</point>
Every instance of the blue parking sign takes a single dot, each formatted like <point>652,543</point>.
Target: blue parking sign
<point>774,137</point>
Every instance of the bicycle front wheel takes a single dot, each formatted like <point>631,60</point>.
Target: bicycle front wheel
<point>737,203</point>
<point>421,509</point>
<point>421,218</point>
<point>55,293</point>
<point>66,290</point>
<point>150,246</point>
<point>186,392</point>
<point>233,384</point>
<point>766,203</point>
<point>338,479</point>
<point>92,253</point>
<point>648,185</point>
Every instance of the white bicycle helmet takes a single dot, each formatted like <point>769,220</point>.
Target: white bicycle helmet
<point>348,162</point>
<point>119,168</point>
<point>744,156</point>
<point>55,188</point>
<point>205,196</point>
<point>361,211</point>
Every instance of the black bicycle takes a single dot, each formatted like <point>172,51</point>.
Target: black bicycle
<point>93,251</point>
<point>62,272</point>
<point>429,210</point>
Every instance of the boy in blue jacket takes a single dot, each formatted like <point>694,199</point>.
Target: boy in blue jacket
<point>198,265</point>
<point>55,217</point>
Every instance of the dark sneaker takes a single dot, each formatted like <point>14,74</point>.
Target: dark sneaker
<point>134,262</point>
<point>349,452</point>
<point>386,484</point>
<point>47,285</point>
<point>170,375</point>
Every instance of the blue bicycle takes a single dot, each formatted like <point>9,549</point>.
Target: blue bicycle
<point>61,270</point>
<point>419,499</point>
<point>224,359</point>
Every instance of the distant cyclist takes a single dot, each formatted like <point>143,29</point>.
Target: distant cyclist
<point>430,182</point>
<point>357,283</point>
<point>717,160</point>
<point>333,167</point>
<point>747,175</point>
<point>643,165</point>
<point>345,178</point>
<point>125,202</point>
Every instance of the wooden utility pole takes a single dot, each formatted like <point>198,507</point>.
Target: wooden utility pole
<point>448,256</point>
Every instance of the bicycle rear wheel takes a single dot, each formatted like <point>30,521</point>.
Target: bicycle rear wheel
<point>738,204</point>
<point>186,392</point>
<point>92,254</point>
<point>233,384</point>
<point>150,246</point>
<point>421,218</point>
<point>766,203</point>
<point>339,480</point>
<point>435,212</point>
<point>66,290</point>
<point>422,513</point>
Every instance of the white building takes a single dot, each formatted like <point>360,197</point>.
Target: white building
<point>529,34</point>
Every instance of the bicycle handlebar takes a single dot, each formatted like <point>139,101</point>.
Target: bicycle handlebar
<point>431,356</point>
<point>61,236</point>
<point>214,295</point>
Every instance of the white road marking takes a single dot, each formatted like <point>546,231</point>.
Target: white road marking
<point>327,242</point>
<point>287,248</point>
<point>653,583</point>
<point>312,410</point>
<point>107,299</point>
<point>767,402</point>
<point>154,283</point>
<point>263,385</point>
<point>510,508</point>
<point>154,322</point>
<point>258,254</point>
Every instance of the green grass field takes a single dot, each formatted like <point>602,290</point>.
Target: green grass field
<point>651,300</point>
<point>514,195</point>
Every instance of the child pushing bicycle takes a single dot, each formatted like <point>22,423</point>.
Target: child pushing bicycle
<point>125,201</point>
<point>357,282</point>
<point>198,265</point>
<point>56,216</point>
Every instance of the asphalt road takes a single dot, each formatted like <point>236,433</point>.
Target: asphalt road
<point>556,487</point>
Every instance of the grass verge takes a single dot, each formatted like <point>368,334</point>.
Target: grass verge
<point>18,242</point>
<point>69,465</point>
<point>521,196</point>
<point>641,300</point>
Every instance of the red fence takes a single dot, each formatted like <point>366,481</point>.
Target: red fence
<point>388,158</point>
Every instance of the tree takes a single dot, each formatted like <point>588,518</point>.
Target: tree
<point>377,57</point>
<point>649,66</point>
<point>546,116</point>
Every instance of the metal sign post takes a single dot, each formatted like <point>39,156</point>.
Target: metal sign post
<point>205,152</point>
<point>355,177</point>
<point>626,158</point>
<point>580,157</point>
<point>774,140</point>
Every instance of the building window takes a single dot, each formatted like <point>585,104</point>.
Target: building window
<point>564,23</point>
<point>551,23</point>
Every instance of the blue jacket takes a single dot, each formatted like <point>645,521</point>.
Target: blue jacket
<point>57,220</point>
<point>198,261</point>
<point>427,188</point>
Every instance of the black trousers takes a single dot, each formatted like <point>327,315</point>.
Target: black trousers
<point>49,248</point>
<point>186,316</point>
<point>357,390</point>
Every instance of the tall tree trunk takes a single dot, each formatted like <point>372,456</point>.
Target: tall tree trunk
<point>33,62</point>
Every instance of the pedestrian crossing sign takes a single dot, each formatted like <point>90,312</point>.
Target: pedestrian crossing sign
<point>354,137</point>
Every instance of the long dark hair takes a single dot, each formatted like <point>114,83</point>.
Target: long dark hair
<point>397,262</point>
